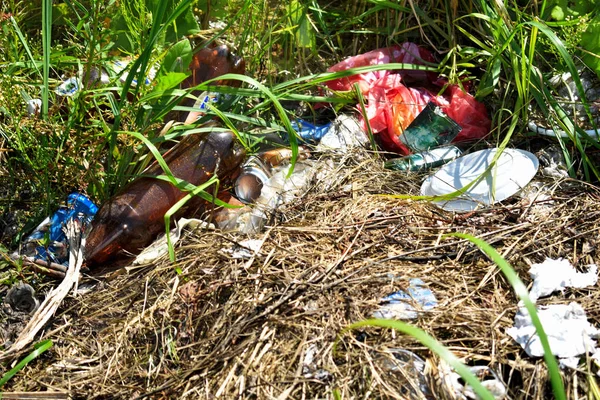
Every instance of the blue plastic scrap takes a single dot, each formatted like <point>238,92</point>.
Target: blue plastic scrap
<point>310,133</point>
<point>403,305</point>
<point>80,208</point>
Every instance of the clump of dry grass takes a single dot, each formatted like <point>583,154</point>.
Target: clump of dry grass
<point>264,326</point>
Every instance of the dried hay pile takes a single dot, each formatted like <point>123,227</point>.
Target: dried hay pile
<point>264,326</point>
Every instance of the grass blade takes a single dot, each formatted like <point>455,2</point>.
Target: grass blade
<point>522,294</point>
<point>25,44</point>
<point>46,40</point>
<point>431,343</point>
<point>40,348</point>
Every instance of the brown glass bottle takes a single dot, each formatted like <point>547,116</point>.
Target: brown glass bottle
<point>209,63</point>
<point>132,219</point>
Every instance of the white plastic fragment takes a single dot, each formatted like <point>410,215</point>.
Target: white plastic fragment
<point>407,304</point>
<point>34,107</point>
<point>556,275</point>
<point>245,249</point>
<point>568,330</point>
<point>68,88</point>
<point>345,133</point>
<point>310,369</point>
<point>160,247</point>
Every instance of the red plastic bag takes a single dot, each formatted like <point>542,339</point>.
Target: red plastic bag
<point>470,114</point>
<point>395,98</point>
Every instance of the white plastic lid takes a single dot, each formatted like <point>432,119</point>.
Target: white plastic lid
<point>512,171</point>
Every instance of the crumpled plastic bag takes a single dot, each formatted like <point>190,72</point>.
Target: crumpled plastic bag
<point>395,98</point>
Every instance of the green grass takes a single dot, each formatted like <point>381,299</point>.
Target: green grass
<point>38,349</point>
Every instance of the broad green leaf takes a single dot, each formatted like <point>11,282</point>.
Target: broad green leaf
<point>590,42</point>
<point>169,81</point>
<point>178,58</point>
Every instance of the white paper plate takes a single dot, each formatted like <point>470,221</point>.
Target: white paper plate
<point>513,170</point>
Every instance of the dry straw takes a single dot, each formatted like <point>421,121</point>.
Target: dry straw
<point>264,327</point>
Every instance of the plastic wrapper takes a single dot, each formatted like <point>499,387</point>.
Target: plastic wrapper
<point>56,250</point>
<point>395,98</point>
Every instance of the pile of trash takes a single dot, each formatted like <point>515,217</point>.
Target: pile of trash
<point>285,255</point>
<point>402,110</point>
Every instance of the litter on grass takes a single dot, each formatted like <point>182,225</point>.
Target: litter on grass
<point>395,98</point>
<point>245,249</point>
<point>423,160</point>
<point>566,325</point>
<point>431,128</point>
<point>34,106</point>
<point>456,388</point>
<point>21,298</point>
<point>569,332</point>
<point>344,133</point>
<point>160,246</point>
<point>48,241</point>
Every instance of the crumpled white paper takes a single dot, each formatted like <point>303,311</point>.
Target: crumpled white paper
<point>568,330</point>
<point>556,275</point>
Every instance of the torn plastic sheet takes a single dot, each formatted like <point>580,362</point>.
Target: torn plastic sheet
<point>406,371</point>
<point>344,133</point>
<point>407,304</point>
<point>395,98</point>
<point>308,132</point>
<point>556,275</point>
<point>568,330</point>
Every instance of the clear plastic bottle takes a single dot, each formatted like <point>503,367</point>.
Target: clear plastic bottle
<point>423,160</point>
